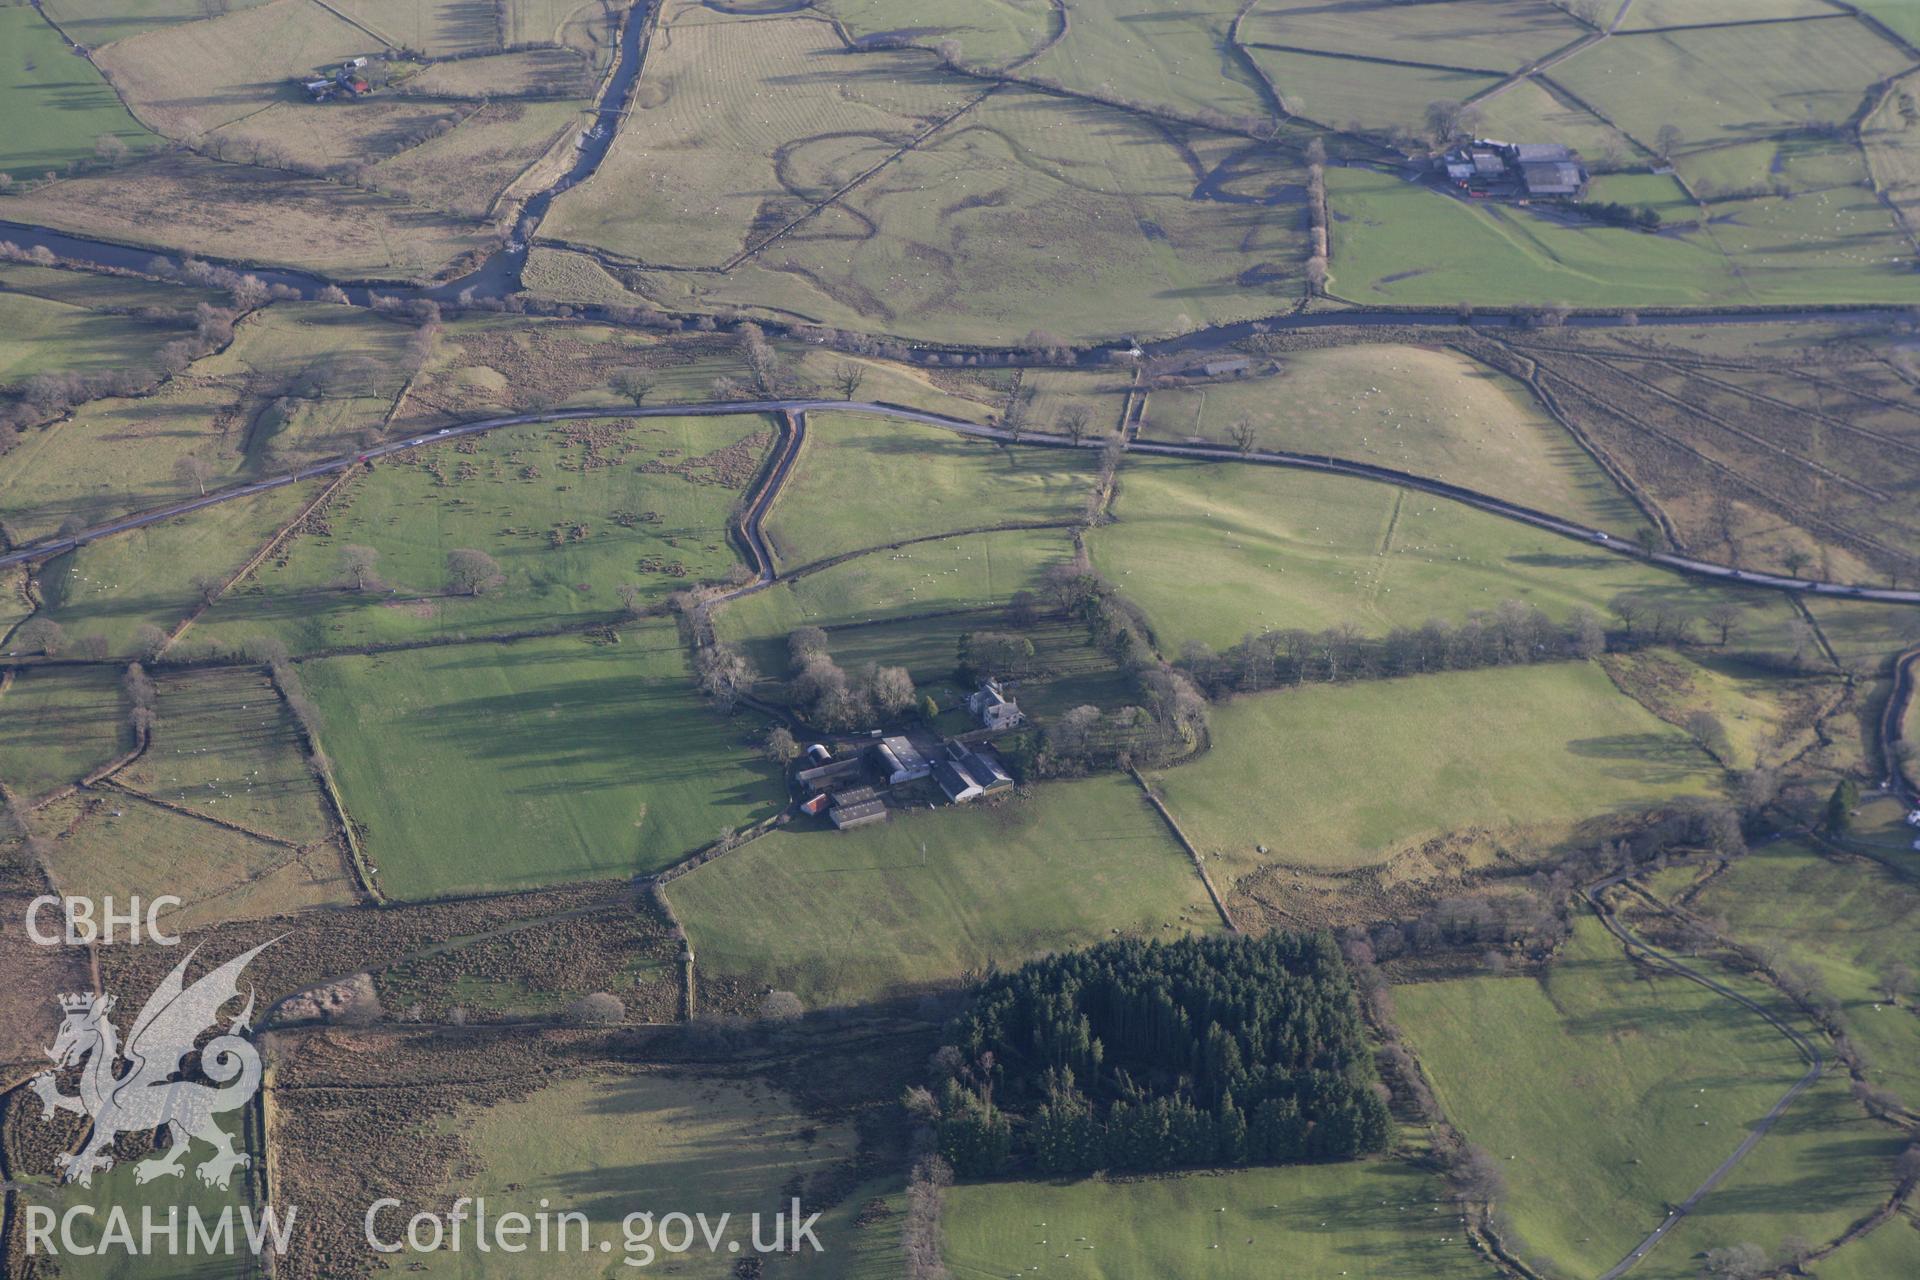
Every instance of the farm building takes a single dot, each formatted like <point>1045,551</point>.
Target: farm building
<point>900,761</point>
<point>825,777</point>
<point>1515,171</point>
<point>966,774</point>
<point>993,708</point>
<point>855,807</point>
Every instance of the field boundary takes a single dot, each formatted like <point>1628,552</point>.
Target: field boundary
<point>1199,860</point>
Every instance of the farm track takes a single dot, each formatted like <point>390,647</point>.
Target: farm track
<point>1599,539</point>
<point>1815,1067</point>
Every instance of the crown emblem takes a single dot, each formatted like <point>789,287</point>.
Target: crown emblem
<point>82,1001</point>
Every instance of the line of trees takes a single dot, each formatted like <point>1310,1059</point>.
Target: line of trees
<point>1140,1056</point>
<point>1509,635</point>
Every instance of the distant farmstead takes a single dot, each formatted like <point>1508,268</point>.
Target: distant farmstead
<point>1516,171</point>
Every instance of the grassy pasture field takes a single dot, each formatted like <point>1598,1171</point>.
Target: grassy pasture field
<point>1398,242</point>
<point>1486,35</point>
<point>1032,212</point>
<point>1373,1220</point>
<point>59,104</point>
<point>1771,166</point>
<point>145,576</point>
<point>524,72</point>
<point>117,1186</point>
<point>609,1146</point>
<point>1346,775</point>
<point>865,482</point>
<point>59,723</point>
<point>1529,109</point>
<point>710,166</point>
<point>1730,84</point>
<point>234,77</point>
<point>118,455</point>
<point>225,746</point>
<point>1614,1091</point>
<point>1427,410</point>
<point>1902,16</point>
<point>991,33</point>
<point>507,766</point>
<point>1817,246</point>
<point>929,897</point>
<point>194,205</point>
<point>571,512</point>
<point>972,572</point>
<point>1166,58</point>
<point>98,22</point>
<point>120,847</point>
<point>1647,14</point>
<point>38,335</point>
<point>1214,550</point>
<point>437,28</point>
<point>1349,93</point>
<point>1851,921</point>
<point>102,292</point>
<point>1892,1249</point>
<point>1660,192</point>
<point>1892,145</point>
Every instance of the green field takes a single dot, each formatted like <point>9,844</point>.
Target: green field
<point>1375,1220</point>
<point>864,482</point>
<point>1851,921</point>
<point>711,169</point>
<point>1348,93</point>
<point>1347,775</point>
<point>144,577</point>
<point>121,848</point>
<point>1172,58</point>
<point>97,22</point>
<point>1607,1093</point>
<point>1893,1249</point>
<point>990,32</point>
<point>299,382</point>
<point>1031,213</point>
<point>930,897</point>
<point>972,572</point>
<point>224,745</point>
<point>1433,412</point>
<point>59,723</point>
<point>1214,550</point>
<point>571,512</point>
<point>38,335</point>
<point>610,1146</point>
<point>58,105</point>
<point>505,766</point>
<point>118,1187</point>
<point>1405,244</point>
<point>1731,83</point>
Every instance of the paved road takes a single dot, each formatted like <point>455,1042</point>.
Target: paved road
<point>1815,1066</point>
<point>1598,538</point>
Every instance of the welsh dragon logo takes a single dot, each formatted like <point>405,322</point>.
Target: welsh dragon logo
<point>148,1094</point>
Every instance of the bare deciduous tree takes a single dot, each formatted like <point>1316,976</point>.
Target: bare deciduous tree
<point>1243,434</point>
<point>357,567</point>
<point>1073,422</point>
<point>633,384</point>
<point>472,572</point>
<point>40,635</point>
<point>848,377</point>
